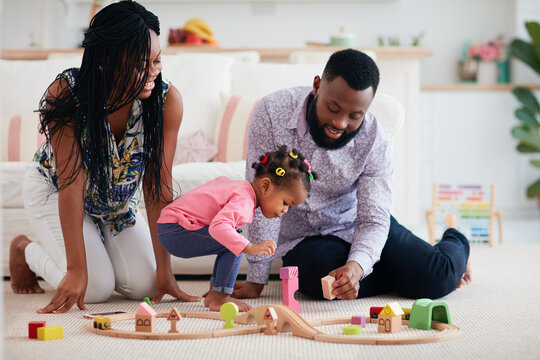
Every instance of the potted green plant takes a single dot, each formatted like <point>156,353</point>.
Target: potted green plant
<point>528,130</point>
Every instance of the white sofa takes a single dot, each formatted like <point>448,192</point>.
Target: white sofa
<point>209,85</point>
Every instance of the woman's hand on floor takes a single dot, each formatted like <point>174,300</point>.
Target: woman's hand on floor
<point>70,291</point>
<point>166,284</point>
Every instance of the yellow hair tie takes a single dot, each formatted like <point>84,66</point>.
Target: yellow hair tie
<point>280,172</point>
<point>293,155</point>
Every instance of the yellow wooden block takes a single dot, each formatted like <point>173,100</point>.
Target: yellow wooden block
<point>50,332</point>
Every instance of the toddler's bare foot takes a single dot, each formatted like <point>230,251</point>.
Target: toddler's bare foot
<point>467,277</point>
<point>215,299</point>
<point>450,220</point>
<point>23,280</point>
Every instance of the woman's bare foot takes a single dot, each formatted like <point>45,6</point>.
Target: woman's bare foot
<point>23,280</point>
<point>215,299</point>
<point>467,277</point>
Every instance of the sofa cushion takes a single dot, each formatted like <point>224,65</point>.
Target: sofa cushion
<point>194,148</point>
<point>20,137</point>
<point>190,175</point>
<point>232,127</point>
<point>261,79</point>
<point>24,83</point>
<point>201,79</point>
<point>389,113</point>
<point>11,178</point>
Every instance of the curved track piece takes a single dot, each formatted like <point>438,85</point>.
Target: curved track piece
<point>285,315</point>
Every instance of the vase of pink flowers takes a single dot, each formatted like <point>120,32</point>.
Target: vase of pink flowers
<point>492,61</point>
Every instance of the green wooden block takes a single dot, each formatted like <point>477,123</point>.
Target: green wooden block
<point>352,330</point>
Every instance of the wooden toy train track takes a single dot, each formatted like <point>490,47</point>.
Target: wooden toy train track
<point>288,320</point>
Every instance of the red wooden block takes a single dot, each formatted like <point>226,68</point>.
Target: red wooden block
<point>33,326</point>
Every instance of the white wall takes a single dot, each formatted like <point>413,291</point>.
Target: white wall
<point>465,139</point>
<point>447,24</point>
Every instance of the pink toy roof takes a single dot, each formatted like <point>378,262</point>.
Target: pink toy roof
<point>145,309</point>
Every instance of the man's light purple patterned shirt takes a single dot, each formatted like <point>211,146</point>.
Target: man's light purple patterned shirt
<point>351,198</point>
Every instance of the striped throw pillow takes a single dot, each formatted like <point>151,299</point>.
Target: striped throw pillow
<point>232,127</point>
<point>20,137</point>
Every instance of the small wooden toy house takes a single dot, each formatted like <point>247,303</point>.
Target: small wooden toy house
<point>390,318</point>
<point>270,317</point>
<point>145,318</point>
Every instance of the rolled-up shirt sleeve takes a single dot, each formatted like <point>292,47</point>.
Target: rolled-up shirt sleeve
<point>260,141</point>
<point>374,196</point>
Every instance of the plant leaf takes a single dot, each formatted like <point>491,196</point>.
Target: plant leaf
<point>534,189</point>
<point>527,98</point>
<point>527,135</point>
<point>527,117</point>
<point>526,147</point>
<point>525,52</point>
<point>535,162</point>
<point>534,31</point>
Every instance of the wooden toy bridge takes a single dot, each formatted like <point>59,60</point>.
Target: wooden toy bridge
<point>288,320</point>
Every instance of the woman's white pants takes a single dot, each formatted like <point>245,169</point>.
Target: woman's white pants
<point>124,262</point>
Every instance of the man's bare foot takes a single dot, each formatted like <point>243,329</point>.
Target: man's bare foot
<point>23,280</point>
<point>215,299</point>
<point>450,220</point>
<point>467,277</point>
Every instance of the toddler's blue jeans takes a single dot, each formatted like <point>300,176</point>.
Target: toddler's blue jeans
<point>187,244</point>
<point>409,266</point>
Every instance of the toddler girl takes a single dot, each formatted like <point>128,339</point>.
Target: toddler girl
<point>206,220</point>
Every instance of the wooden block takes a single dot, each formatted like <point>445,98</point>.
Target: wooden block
<point>144,323</point>
<point>50,332</point>
<point>33,326</point>
<point>359,320</point>
<point>352,330</point>
<point>389,324</point>
<point>327,283</point>
<point>288,272</point>
<point>288,288</point>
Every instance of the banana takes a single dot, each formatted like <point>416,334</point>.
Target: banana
<point>200,28</point>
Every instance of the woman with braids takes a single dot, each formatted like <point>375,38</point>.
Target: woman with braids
<point>111,128</point>
<point>205,220</point>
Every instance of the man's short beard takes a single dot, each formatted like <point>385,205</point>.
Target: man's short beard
<point>317,131</point>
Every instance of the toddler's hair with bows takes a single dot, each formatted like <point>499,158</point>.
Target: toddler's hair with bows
<point>282,166</point>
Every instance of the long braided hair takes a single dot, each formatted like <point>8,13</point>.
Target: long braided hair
<point>113,72</point>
